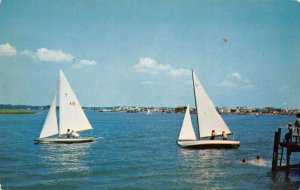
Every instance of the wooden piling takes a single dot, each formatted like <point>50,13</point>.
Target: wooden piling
<point>290,146</point>
<point>275,149</point>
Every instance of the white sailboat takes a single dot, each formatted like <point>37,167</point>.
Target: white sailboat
<point>149,112</point>
<point>208,119</point>
<point>71,116</point>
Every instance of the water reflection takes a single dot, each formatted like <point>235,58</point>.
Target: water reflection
<point>203,167</point>
<point>66,157</point>
<point>287,179</point>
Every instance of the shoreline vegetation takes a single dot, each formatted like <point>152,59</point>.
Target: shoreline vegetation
<point>27,109</point>
<point>17,111</point>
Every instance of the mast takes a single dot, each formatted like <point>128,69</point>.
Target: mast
<point>59,102</point>
<point>195,103</point>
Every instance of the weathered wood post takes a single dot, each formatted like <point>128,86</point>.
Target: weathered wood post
<point>288,154</point>
<point>288,147</point>
<point>275,149</point>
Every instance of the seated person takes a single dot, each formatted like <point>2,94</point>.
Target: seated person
<point>75,135</point>
<point>68,134</point>
<point>224,135</point>
<point>213,135</point>
<point>288,136</point>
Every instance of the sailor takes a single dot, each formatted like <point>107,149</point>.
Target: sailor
<point>68,133</point>
<point>75,135</point>
<point>224,135</point>
<point>213,135</point>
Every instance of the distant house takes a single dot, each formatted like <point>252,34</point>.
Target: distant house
<point>180,109</point>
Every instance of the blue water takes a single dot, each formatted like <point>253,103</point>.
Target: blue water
<point>139,151</point>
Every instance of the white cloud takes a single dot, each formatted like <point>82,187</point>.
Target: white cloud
<point>226,83</point>
<point>83,63</point>
<point>7,50</point>
<point>27,52</point>
<point>147,82</point>
<point>87,62</point>
<point>236,80</point>
<point>45,54</point>
<point>236,76</point>
<point>297,1</point>
<point>179,72</point>
<point>284,88</point>
<point>149,65</point>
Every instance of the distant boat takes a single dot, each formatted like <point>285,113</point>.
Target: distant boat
<point>149,112</point>
<point>71,116</point>
<point>208,119</point>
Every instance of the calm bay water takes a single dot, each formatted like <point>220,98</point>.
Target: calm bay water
<point>139,151</point>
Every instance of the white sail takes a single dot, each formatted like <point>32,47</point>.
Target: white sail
<point>187,130</point>
<point>71,115</point>
<point>208,117</point>
<point>50,126</point>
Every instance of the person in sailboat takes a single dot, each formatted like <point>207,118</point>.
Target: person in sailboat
<point>224,135</point>
<point>213,135</point>
<point>74,134</point>
<point>68,134</point>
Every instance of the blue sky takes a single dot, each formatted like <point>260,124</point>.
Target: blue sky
<point>245,53</point>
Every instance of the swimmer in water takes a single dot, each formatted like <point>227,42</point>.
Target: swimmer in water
<point>258,159</point>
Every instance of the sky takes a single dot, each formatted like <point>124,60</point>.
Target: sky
<point>140,53</point>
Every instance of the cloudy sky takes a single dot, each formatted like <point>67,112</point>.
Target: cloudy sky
<point>138,52</point>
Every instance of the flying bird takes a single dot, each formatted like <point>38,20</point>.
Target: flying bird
<point>225,40</point>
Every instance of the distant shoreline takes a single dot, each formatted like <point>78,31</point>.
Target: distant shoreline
<point>17,111</point>
<point>28,109</point>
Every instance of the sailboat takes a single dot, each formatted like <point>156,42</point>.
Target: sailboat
<point>208,120</point>
<point>71,116</point>
<point>149,112</point>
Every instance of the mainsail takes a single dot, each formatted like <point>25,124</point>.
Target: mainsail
<point>208,117</point>
<point>187,130</point>
<point>50,126</point>
<point>71,115</point>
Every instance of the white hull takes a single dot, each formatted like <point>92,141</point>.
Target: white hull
<point>203,144</point>
<point>64,140</point>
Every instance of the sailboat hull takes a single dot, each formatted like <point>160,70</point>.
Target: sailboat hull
<point>64,140</point>
<point>209,144</point>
